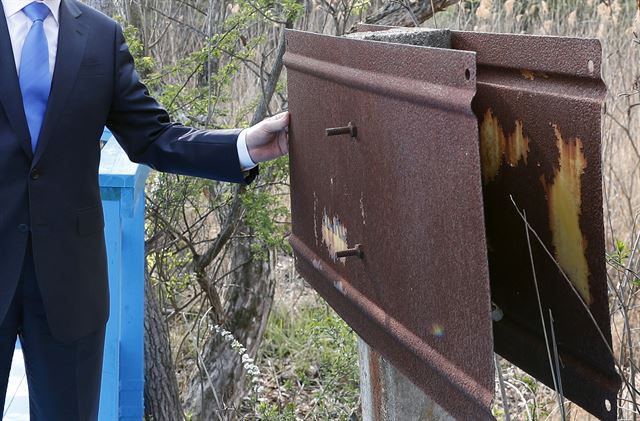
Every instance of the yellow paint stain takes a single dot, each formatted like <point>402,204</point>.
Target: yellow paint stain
<point>517,147</point>
<point>565,204</point>
<point>492,145</point>
<point>496,146</point>
<point>334,235</point>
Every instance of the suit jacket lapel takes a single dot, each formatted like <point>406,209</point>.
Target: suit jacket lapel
<point>72,39</point>
<point>10,94</point>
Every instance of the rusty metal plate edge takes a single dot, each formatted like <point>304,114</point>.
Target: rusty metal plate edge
<point>355,72</point>
<point>580,57</point>
<point>549,54</point>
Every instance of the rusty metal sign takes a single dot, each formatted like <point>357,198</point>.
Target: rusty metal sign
<point>538,105</point>
<point>386,199</point>
<point>399,194</point>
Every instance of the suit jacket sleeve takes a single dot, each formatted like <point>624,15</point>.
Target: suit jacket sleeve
<point>145,132</point>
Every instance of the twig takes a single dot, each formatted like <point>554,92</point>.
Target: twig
<point>201,363</point>
<point>435,23</point>
<point>557,361</point>
<point>503,392</point>
<point>274,76</point>
<point>542,320</point>
<point>524,400</point>
<point>412,15</point>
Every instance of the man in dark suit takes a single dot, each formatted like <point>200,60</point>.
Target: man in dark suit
<point>65,73</point>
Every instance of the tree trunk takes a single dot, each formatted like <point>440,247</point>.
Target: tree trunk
<point>161,396</point>
<point>407,13</point>
<point>217,391</point>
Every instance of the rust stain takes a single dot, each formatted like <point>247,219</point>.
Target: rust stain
<point>334,235</point>
<point>376,385</point>
<point>529,75</point>
<point>433,412</point>
<point>565,207</point>
<point>496,146</point>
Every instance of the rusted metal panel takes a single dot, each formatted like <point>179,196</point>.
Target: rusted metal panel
<point>406,187</point>
<point>538,105</point>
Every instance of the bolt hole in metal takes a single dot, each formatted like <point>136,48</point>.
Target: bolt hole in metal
<point>607,405</point>
<point>590,66</point>
<point>467,74</point>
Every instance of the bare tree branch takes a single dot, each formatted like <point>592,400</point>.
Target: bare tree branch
<point>406,13</point>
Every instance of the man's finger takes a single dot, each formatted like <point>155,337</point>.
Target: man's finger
<point>283,143</point>
<point>276,123</point>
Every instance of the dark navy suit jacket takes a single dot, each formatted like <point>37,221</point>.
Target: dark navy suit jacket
<point>53,194</point>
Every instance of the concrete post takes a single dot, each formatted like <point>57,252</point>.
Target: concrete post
<point>387,395</point>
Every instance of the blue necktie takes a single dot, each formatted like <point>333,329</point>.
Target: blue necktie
<point>35,77</point>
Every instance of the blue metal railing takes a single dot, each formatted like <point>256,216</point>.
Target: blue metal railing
<point>122,188</point>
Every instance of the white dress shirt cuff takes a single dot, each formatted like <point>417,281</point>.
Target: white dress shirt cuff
<point>246,163</point>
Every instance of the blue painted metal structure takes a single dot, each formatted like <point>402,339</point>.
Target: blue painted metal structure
<point>122,188</point>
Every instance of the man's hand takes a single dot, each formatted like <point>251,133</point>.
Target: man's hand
<point>269,139</point>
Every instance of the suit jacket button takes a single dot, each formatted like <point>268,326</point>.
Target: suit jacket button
<point>23,227</point>
<point>35,174</point>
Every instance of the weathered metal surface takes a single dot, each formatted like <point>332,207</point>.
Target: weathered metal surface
<point>539,102</point>
<point>538,105</point>
<point>407,188</point>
